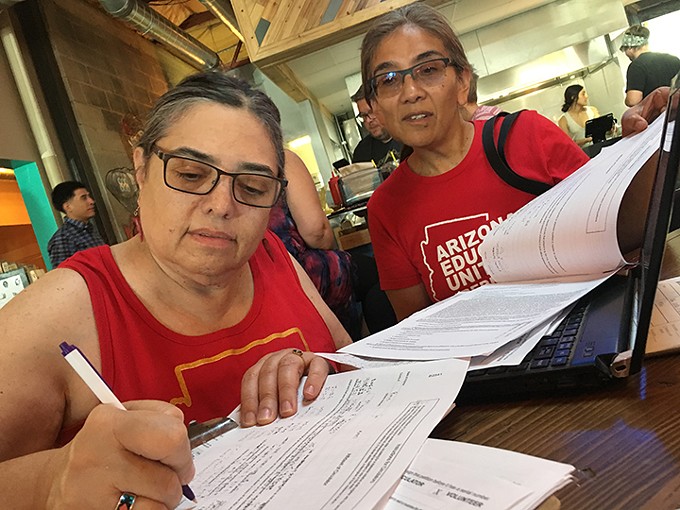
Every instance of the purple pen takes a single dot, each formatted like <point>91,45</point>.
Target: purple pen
<point>94,381</point>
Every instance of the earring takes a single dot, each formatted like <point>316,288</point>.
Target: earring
<point>137,222</point>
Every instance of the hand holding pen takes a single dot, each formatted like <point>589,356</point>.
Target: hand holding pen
<point>135,453</point>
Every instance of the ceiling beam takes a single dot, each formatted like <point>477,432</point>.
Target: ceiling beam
<point>273,52</point>
<point>288,81</point>
<point>197,18</point>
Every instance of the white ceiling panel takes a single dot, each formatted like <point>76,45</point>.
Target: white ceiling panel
<point>323,73</point>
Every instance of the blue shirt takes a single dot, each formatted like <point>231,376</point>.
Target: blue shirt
<point>71,237</point>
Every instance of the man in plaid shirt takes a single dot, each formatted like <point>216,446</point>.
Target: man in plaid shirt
<point>77,233</point>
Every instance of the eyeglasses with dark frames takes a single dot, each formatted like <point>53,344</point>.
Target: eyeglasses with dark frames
<point>428,73</point>
<point>363,117</point>
<point>200,178</point>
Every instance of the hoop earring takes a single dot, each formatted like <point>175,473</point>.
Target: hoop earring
<point>137,222</point>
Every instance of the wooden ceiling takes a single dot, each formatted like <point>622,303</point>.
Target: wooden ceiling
<point>178,11</point>
<point>195,19</point>
<point>277,31</point>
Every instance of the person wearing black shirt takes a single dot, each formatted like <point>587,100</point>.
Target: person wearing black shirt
<point>378,144</point>
<point>647,70</point>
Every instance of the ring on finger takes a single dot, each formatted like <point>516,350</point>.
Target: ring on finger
<point>297,352</point>
<point>126,501</point>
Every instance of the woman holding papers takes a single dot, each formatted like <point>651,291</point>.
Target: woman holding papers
<point>428,218</point>
<point>203,309</point>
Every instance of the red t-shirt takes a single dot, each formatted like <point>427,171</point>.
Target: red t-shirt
<point>143,359</point>
<point>428,229</point>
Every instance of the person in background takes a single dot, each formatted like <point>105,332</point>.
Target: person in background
<point>298,220</point>
<point>201,310</point>
<point>77,232</point>
<point>376,146</point>
<point>576,113</point>
<point>342,279</point>
<point>471,110</point>
<point>647,70</point>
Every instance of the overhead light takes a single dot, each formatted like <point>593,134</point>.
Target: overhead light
<point>299,142</point>
<point>7,173</point>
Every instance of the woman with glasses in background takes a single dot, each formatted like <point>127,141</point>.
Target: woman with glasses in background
<point>427,220</point>
<point>203,309</point>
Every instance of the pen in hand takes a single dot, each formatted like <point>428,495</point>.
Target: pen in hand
<point>96,383</point>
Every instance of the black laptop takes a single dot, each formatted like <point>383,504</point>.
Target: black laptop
<point>598,127</point>
<point>603,338</point>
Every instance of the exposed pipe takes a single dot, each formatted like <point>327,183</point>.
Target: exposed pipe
<point>148,21</point>
<point>223,11</point>
<point>36,120</point>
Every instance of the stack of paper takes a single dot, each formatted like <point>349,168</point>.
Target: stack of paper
<point>542,259</point>
<point>363,445</point>
<point>452,475</point>
<point>664,331</point>
<point>345,450</point>
<point>462,325</point>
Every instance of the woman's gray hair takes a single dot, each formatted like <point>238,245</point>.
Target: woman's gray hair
<point>421,16</point>
<point>212,86</point>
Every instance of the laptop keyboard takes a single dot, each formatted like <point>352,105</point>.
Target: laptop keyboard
<point>554,350</point>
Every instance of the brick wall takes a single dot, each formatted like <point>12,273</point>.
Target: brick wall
<point>109,70</point>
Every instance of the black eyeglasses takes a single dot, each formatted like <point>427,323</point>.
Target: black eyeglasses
<point>428,73</point>
<point>363,117</point>
<point>199,178</point>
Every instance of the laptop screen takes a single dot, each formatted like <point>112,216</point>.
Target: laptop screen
<point>656,228</point>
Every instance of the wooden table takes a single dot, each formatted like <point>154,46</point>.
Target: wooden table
<point>624,440</point>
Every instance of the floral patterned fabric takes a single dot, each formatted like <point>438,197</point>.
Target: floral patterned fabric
<point>330,270</point>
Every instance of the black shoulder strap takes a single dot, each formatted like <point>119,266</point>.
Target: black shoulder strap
<point>496,155</point>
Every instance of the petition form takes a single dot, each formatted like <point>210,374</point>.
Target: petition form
<point>450,475</point>
<point>345,450</point>
<point>572,228</point>
<point>473,323</point>
<point>514,352</point>
<point>664,330</point>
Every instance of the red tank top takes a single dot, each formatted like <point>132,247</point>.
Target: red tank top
<point>143,359</point>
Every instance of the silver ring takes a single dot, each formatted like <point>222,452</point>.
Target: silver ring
<point>297,352</point>
<point>126,501</point>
